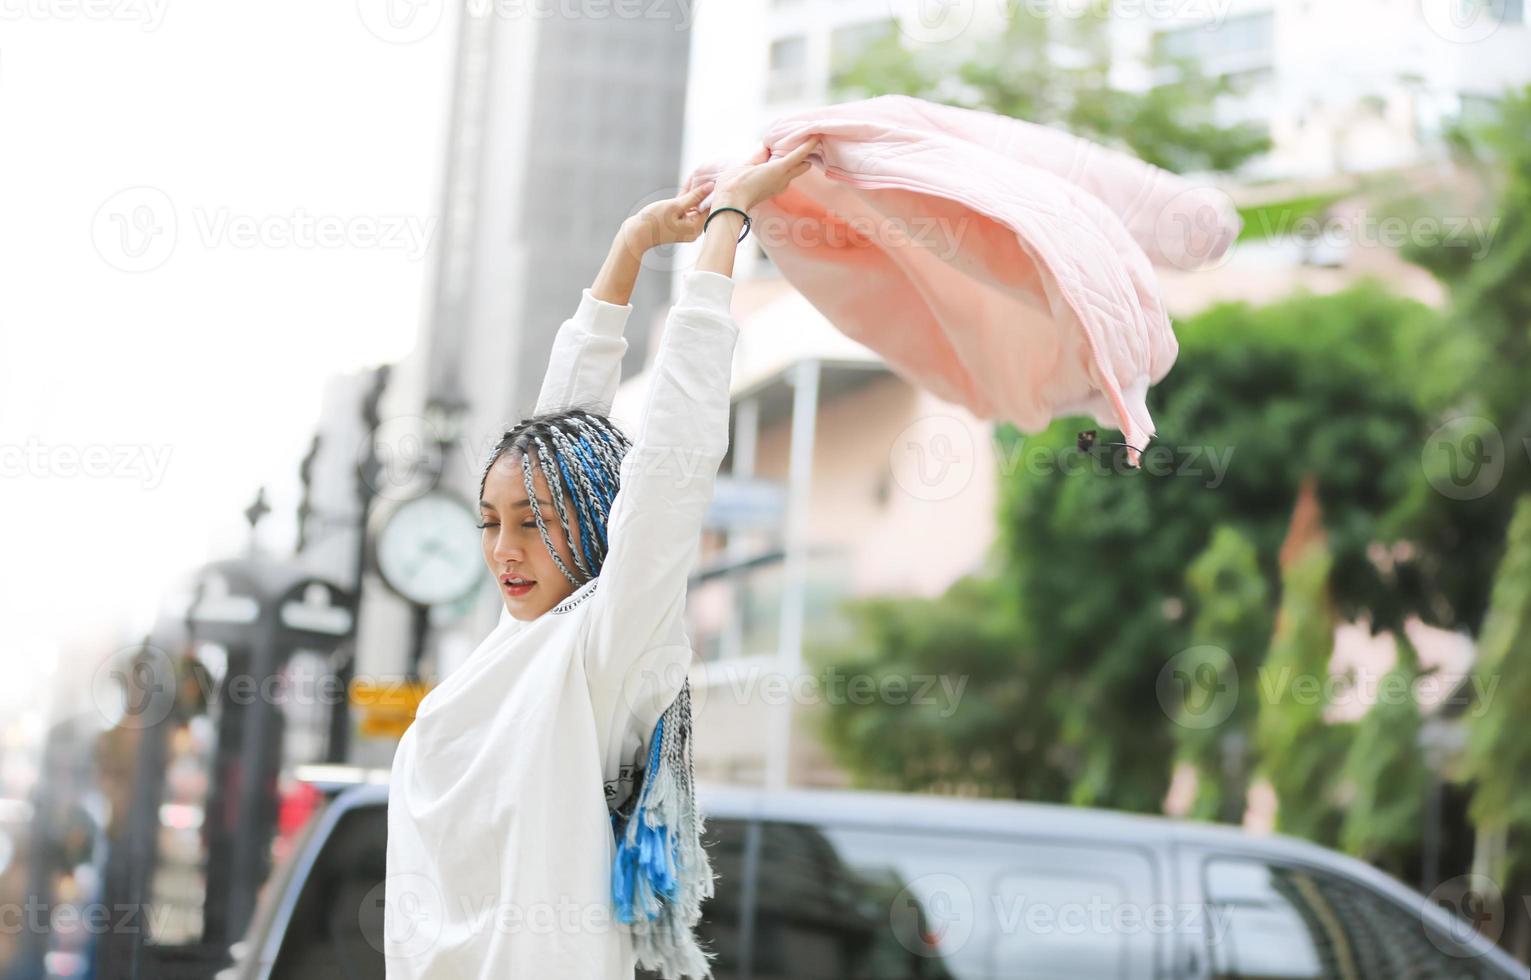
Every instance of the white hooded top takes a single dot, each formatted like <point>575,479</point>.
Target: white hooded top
<point>500,844</point>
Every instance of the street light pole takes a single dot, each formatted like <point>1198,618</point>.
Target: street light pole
<point>368,471</point>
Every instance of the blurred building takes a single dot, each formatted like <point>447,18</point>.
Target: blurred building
<point>329,515</point>
<point>1344,87</point>
<point>560,128</point>
<point>1351,123</point>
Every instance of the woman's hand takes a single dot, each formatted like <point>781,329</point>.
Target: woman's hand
<point>761,177</point>
<point>665,222</point>
<point>757,179</point>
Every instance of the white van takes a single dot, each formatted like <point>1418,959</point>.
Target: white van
<point>882,886</point>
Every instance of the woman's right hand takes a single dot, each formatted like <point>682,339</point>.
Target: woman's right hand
<point>761,177</point>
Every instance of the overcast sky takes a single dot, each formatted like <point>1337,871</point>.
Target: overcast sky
<point>205,210</point>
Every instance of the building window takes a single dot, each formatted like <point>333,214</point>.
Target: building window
<point>1509,11</point>
<point>788,68</point>
<point>1478,110</point>
<point>1237,43</point>
<point>1468,12</point>
<point>847,43</point>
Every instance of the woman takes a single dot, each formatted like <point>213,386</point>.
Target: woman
<point>540,815</point>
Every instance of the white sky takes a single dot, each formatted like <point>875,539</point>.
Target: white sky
<point>199,378</point>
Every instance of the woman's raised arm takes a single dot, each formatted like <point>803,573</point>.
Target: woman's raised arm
<point>668,474</point>
<point>665,488</point>
<point>585,365</point>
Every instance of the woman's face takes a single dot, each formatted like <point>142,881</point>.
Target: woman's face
<point>513,545</point>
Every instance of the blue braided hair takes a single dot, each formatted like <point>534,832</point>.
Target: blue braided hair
<point>661,873</point>
<point>580,454</point>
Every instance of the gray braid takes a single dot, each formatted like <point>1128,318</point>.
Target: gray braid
<point>555,486</point>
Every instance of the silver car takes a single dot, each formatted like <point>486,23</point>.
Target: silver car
<point>883,886</point>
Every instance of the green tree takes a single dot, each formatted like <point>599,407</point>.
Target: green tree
<point>1299,749</point>
<point>1386,772</point>
<point>1233,620</point>
<point>1017,72</point>
<point>1481,469</point>
<point>1064,646</point>
<point>1098,553</point>
<point>1498,751</point>
<point>1475,506</point>
<point>985,729</point>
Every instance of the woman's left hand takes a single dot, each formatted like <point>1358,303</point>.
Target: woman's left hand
<point>664,222</point>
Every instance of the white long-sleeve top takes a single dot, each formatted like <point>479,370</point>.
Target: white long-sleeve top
<point>499,837</point>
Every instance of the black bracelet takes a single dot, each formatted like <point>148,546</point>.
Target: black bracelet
<point>718,211</point>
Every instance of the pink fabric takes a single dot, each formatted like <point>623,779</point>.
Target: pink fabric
<point>1002,265</point>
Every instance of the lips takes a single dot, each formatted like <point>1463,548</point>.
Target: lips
<point>515,585</point>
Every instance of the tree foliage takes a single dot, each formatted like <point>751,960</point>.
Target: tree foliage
<point>1481,468</point>
<point>1499,751</point>
<point>1055,70</point>
<point>984,729</point>
<point>1232,615</point>
<point>1298,747</point>
<point>1386,773</point>
<point>1066,643</point>
<point>1259,397</point>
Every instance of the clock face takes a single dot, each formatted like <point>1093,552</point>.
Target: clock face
<point>429,550</point>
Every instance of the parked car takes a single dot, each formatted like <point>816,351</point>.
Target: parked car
<point>883,886</point>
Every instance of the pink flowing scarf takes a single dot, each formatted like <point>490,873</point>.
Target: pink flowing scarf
<point>1002,265</point>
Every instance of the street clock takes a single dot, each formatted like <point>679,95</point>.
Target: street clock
<point>429,551</point>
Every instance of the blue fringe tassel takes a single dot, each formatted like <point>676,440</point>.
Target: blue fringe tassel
<point>661,874</point>
<point>644,871</point>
